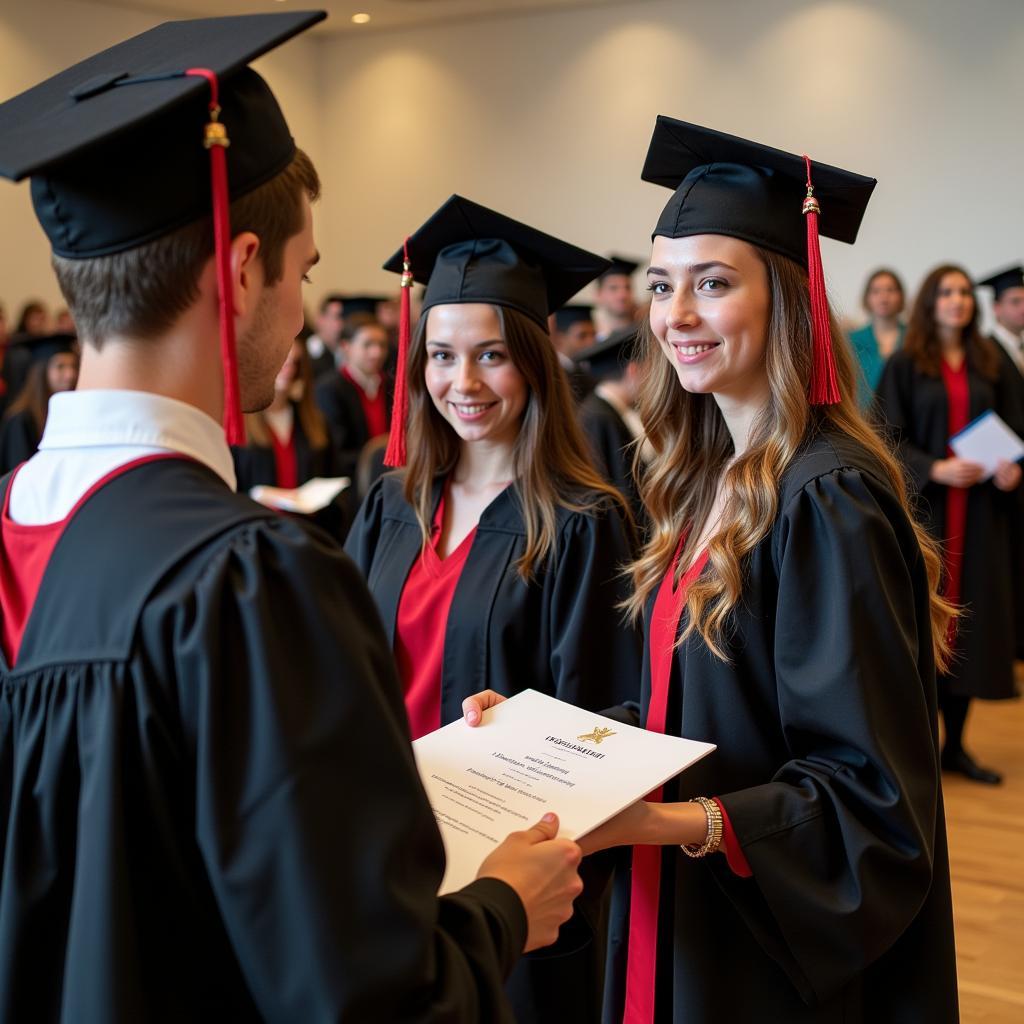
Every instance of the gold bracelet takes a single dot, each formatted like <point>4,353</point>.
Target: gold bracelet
<point>713,840</point>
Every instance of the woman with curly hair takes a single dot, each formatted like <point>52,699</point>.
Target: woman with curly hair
<point>792,615</point>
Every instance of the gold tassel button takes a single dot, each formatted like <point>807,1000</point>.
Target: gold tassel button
<point>215,134</point>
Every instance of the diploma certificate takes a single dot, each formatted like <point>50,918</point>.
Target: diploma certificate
<point>987,440</point>
<point>534,754</point>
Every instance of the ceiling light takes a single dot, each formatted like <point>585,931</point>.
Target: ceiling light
<point>360,19</point>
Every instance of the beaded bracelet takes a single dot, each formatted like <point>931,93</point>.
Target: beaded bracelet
<point>714,837</point>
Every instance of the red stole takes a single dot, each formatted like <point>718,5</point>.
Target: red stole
<point>646,883</point>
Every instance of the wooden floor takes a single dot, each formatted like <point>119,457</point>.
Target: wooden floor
<point>986,839</point>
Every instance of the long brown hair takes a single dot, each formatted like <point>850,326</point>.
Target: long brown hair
<point>311,419</point>
<point>922,341</point>
<point>551,460</point>
<point>693,447</point>
<point>34,396</point>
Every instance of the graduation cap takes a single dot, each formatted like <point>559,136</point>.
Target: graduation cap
<point>574,314</point>
<point>621,266</point>
<point>1004,280</point>
<point>466,252</point>
<point>352,304</point>
<point>43,347</point>
<point>724,185</point>
<point>610,357</point>
<point>154,133</point>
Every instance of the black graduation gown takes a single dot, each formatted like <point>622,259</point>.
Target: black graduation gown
<point>323,363</point>
<point>19,439</point>
<point>827,764</point>
<point>17,359</point>
<point>209,805</point>
<point>562,635</point>
<point>913,407</point>
<point>1017,520</point>
<point>338,400</point>
<point>255,465</point>
<point>611,443</point>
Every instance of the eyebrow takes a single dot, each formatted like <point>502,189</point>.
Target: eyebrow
<point>479,344</point>
<point>694,268</point>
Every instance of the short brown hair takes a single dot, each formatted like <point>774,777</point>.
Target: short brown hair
<point>356,322</point>
<point>141,292</point>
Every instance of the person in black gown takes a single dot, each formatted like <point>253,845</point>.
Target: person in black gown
<point>793,619</point>
<point>288,444</point>
<point>572,331</point>
<point>356,399</point>
<point>608,414</point>
<point>615,305</point>
<point>946,375</point>
<point>495,558</point>
<point>209,803</point>
<point>52,367</point>
<point>323,345</point>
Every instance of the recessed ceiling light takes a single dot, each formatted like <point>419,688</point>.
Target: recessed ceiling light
<point>360,19</point>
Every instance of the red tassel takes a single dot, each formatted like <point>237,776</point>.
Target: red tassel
<point>216,141</point>
<point>824,389</point>
<point>395,456</point>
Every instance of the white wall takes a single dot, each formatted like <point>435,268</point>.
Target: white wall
<point>547,117</point>
<point>39,38</point>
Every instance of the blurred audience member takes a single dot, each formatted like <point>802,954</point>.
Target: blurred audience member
<point>614,303</point>
<point>946,375</point>
<point>356,401</point>
<point>323,345</point>
<point>883,301</point>
<point>52,366</point>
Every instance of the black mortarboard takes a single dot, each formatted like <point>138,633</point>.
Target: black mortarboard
<point>352,304</point>
<point>1011,277</point>
<point>41,348</point>
<point>609,357</point>
<point>723,185</point>
<point>468,253</point>
<point>729,186</point>
<point>154,133</point>
<point>574,314</point>
<point>114,145</point>
<point>621,266</point>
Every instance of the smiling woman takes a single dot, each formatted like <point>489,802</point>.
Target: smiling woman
<point>495,559</point>
<point>791,618</point>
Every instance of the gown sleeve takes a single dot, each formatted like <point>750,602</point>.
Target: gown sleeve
<point>841,840</point>
<point>595,654</point>
<point>318,842</point>
<point>894,409</point>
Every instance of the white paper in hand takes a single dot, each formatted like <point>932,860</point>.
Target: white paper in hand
<point>987,441</point>
<point>312,496</point>
<point>531,755</point>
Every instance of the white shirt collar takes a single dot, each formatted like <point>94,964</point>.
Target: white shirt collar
<point>107,418</point>
<point>1005,335</point>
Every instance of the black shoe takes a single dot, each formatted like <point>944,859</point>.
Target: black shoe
<point>963,764</point>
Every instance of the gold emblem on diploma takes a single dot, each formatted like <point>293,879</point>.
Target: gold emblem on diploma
<point>599,733</point>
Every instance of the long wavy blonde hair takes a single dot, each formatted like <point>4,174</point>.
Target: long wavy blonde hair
<point>693,448</point>
<point>552,462</point>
